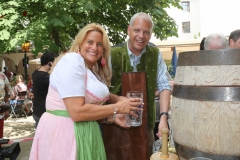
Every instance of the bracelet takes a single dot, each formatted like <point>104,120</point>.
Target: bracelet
<point>114,112</point>
<point>163,113</point>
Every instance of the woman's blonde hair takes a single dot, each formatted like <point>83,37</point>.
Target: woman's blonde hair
<point>104,72</point>
<point>19,78</point>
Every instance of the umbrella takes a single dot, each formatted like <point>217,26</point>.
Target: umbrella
<point>35,61</point>
<point>174,62</point>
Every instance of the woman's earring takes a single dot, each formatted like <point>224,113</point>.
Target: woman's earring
<point>103,61</point>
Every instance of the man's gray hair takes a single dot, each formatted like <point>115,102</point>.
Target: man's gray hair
<point>217,39</point>
<point>144,16</point>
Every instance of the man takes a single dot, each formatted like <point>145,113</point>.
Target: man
<point>137,54</point>
<point>40,79</point>
<point>7,73</point>
<point>5,90</point>
<point>215,41</point>
<point>234,39</point>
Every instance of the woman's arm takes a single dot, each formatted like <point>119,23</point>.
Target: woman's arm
<point>79,111</point>
<point>113,98</point>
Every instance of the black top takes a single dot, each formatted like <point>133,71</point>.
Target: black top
<point>40,90</point>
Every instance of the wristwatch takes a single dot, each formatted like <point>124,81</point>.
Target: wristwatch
<point>163,113</point>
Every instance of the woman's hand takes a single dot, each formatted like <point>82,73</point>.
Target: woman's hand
<point>120,120</point>
<point>127,105</point>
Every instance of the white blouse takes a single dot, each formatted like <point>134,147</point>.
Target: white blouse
<point>71,78</point>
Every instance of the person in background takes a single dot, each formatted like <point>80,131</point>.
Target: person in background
<point>201,47</point>
<point>234,39</point>
<point>139,32</point>
<point>30,83</point>
<point>13,79</point>
<point>77,91</point>
<point>19,87</point>
<point>5,90</point>
<point>40,79</point>
<point>7,73</point>
<point>215,41</point>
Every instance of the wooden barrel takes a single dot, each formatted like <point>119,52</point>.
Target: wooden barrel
<point>206,104</point>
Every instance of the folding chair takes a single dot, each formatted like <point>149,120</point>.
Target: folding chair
<point>18,106</point>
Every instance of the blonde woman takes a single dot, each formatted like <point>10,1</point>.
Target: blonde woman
<point>19,87</point>
<point>77,91</point>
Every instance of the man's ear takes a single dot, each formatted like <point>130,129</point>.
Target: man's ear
<point>49,64</point>
<point>231,42</point>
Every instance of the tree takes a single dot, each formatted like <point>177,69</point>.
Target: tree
<point>52,25</point>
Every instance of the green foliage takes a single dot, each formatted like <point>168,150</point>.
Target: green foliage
<point>52,24</point>
<point>195,36</point>
<point>169,65</point>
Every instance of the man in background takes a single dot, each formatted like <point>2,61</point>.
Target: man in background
<point>234,39</point>
<point>5,91</point>
<point>215,41</point>
<point>40,79</point>
<point>7,73</point>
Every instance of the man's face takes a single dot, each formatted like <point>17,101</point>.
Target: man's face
<point>234,45</point>
<point>139,35</point>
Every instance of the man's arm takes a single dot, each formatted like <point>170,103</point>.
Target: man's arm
<point>164,98</point>
<point>164,89</point>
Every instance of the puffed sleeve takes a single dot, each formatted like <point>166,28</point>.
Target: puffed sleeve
<point>69,76</point>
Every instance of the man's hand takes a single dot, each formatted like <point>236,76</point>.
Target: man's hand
<point>162,124</point>
<point>120,120</point>
<point>6,115</point>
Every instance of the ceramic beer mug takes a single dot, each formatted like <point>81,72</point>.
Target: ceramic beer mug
<point>131,120</point>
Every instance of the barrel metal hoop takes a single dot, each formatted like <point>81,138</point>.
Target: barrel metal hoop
<point>209,58</point>
<point>188,153</point>
<point>207,93</point>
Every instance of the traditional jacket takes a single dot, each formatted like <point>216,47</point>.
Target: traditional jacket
<point>148,63</point>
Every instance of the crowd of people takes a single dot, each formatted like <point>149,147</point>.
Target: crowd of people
<point>217,41</point>
<point>84,90</point>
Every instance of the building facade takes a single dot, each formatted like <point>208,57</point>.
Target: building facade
<point>198,19</point>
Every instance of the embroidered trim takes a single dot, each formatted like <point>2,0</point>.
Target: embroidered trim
<point>99,99</point>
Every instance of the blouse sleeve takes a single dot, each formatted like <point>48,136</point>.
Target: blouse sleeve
<point>69,76</point>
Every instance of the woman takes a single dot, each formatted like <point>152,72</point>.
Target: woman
<point>77,90</point>
<point>19,87</point>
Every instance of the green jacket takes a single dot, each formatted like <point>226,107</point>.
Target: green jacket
<point>121,63</point>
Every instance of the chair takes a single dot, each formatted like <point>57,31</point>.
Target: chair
<point>18,106</point>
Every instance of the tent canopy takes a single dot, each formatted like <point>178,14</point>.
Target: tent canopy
<point>35,61</point>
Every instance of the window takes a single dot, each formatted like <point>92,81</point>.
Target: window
<point>186,6</point>
<point>186,27</point>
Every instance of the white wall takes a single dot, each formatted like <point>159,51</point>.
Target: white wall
<point>206,16</point>
<point>219,16</point>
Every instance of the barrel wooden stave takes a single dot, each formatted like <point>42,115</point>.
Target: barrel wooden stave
<point>208,75</point>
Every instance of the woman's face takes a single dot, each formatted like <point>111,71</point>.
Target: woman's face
<point>91,48</point>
